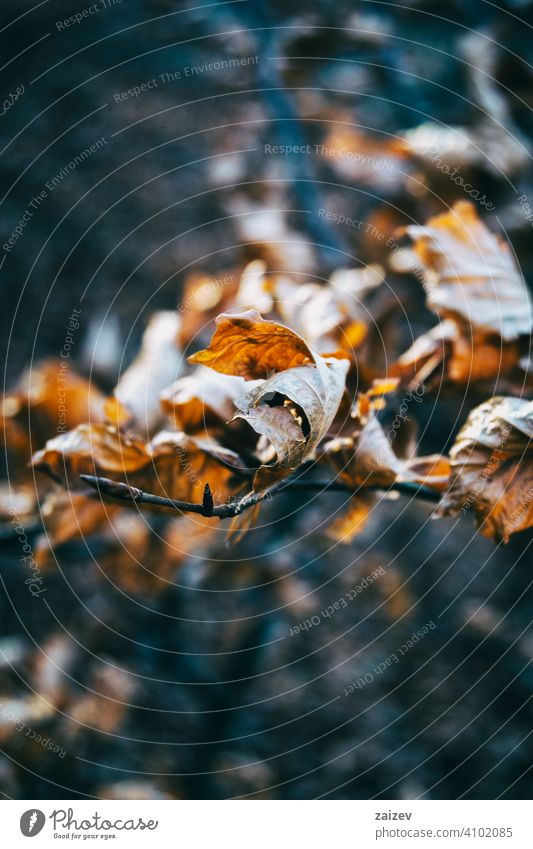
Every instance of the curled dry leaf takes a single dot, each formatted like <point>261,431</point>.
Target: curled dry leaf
<point>158,363</point>
<point>294,410</point>
<point>492,468</point>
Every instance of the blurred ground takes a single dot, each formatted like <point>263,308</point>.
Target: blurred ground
<point>220,699</point>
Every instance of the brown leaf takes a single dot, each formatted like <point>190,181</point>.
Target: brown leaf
<point>67,516</point>
<point>364,457</point>
<point>347,526</point>
<point>492,468</point>
<point>181,465</point>
<point>433,471</point>
<point>172,464</point>
<point>48,398</point>
<point>90,449</point>
<point>246,345</point>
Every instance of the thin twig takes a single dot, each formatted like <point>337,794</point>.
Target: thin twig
<point>125,492</point>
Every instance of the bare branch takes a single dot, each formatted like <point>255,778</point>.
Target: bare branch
<point>125,492</point>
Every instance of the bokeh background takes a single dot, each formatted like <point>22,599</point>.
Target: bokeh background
<point>192,686</point>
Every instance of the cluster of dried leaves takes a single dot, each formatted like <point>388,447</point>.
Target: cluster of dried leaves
<point>287,385</point>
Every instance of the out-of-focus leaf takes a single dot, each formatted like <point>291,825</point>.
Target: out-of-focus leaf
<point>492,468</point>
<point>103,705</point>
<point>330,316</point>
<point>67,516</point>
<point>470,274</point>
<point>432,471</point>
<point>143,562</point>
<point>255,288</point>
<point>48,397</point>
<point>452,149</point>
<point>204,297</point>
<point>364,457</point>
<point>347,526</point>
<point>158,363</point>
<point>90,449</point>
<point>363,159</point>
<point>202,400</point>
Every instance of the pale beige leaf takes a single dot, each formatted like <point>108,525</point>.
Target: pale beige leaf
<point>202,400</point>
<point>470,274</point>
<point>158,363</point>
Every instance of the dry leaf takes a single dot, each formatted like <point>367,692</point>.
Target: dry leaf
<point>345,528</point>
<point>329,316</point>
<point>433,471</point>
<point>246,345</point>
<point>48,398</point>
<point>202,400</point>
<point>364,159</point>
<point>293,410</point>
<point>470,274</point>
<point>66,516</point>
<point>90,449</point>
<point>492,468</point>
<point>158,363</point>
<point>254,290</point>
<point>181,465</point>
<point>172,464</point>
<point>364,456</point>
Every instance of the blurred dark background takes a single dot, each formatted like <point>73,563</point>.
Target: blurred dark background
<point>223,702</point>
